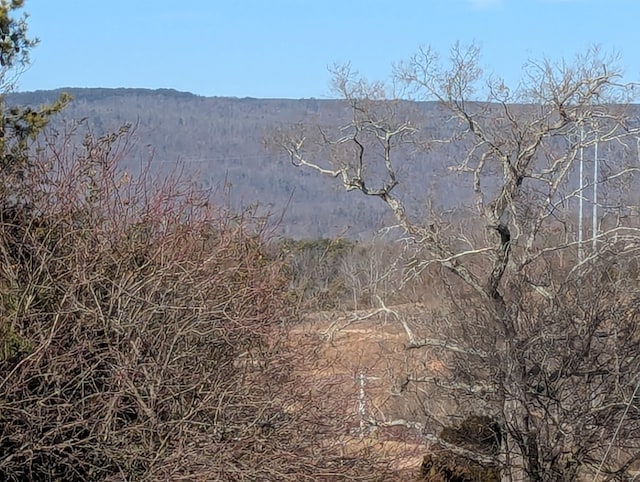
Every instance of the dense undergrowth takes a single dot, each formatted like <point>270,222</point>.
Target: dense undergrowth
<point>143,332</point>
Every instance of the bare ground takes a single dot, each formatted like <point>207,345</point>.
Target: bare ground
<point>362,355</point>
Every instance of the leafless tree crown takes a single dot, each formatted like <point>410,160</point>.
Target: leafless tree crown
<point>544,336</point>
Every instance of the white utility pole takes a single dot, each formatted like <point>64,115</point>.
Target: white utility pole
<point>594,219</point>
<point>580,193</point>
<point>362,402</point>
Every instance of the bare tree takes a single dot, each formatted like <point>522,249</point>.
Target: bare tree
<point>549,350</point>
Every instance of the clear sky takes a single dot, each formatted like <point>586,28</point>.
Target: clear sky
<point>282,48</point>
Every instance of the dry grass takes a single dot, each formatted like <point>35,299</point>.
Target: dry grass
<point>347,346</point>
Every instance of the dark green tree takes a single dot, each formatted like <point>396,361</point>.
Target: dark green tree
<point>19,126</point>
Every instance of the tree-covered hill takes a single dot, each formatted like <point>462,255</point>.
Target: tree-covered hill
<point>224,142</point>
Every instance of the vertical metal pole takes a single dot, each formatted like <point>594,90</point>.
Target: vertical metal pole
<point>362,402</point>
<point>580,201</point>
<point>594,220</point>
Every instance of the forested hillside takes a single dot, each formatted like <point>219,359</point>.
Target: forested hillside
<point>225,140</point>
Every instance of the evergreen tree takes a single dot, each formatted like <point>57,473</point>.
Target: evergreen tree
<point>19,126</point>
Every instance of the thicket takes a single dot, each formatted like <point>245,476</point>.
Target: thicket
<point>333,274</point>
<point>318,278</point>
<point>143,332</point>
<point>142,328</point>
<point>124,310</point>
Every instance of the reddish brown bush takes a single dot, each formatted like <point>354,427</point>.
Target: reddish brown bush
<point>141,333</point>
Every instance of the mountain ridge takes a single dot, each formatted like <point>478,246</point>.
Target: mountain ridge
<point>221,142</point>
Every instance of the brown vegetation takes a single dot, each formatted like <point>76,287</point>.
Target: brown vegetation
<point>147,333</point>
<point>540,332</point>
<point>144,333</point>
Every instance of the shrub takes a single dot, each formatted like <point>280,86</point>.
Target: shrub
<point>141,332</point>
<point>443,466</point>
<point>477,434</point>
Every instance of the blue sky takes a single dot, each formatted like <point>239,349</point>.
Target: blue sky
<point>282,48</point>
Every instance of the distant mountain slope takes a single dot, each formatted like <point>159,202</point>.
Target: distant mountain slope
<point>222,139</point>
